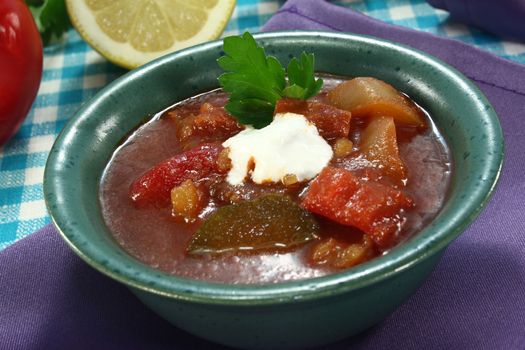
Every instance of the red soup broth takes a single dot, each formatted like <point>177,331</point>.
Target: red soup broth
<point>153,236</point>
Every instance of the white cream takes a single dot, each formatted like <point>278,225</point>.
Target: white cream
<point>290,145</point>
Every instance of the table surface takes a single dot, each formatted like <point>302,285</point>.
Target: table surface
<point>73,73</point>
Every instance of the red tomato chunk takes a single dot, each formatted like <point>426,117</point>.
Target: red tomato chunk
<point>155,185</point>
<point>209,123</point>
<point>331,122</point>
<point>371,207</point>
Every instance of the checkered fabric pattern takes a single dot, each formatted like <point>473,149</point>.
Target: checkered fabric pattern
<point>73,73</point>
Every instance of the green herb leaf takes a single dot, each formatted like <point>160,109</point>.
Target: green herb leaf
<point>256,81</point>
<point>252,73</point>
<point>34,2</point>
<point>51,18</point>
<point>251,111</point>
<point>303,84</point>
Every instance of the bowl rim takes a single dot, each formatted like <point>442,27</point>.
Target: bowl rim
<point>401,258</point>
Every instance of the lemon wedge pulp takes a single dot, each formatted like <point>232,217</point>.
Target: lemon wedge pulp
<point>130,33</point>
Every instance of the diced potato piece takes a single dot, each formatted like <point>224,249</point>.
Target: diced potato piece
<point>187,201</point>
<point>369,97</point>
<point>271,222</point>
<point>355,254</point>
<point>290,179</point>
<point>224,163</point>
<point>338,254</point>
<point>323,252</point>
<point>379,145</point>
<point>343,147</point>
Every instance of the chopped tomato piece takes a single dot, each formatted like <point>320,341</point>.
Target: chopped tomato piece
<point>154,186</point>
<point>212,119</point>
<point>372,207</point>
<point>379,146</point>
<point>331,122</point>
<point>210,123</point>
<point>369,97</point>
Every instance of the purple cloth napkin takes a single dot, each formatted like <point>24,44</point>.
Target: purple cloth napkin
<point>475,299</point>
<point>504,17</point>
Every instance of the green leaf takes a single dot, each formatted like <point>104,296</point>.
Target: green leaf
<point>295,91</point>
<point>256,81</point>
<point>241,87</point>
<point>302,75</point>
<point>249,66</point>
<point>251,111</point>
<point>34,2</point>
<point>51,18</point>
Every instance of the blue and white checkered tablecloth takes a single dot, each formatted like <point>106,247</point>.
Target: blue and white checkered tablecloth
<point>73,73</point>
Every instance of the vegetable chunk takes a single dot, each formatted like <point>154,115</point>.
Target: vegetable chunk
<point>154,186</point>
<point>369,97</point>
<point>339,254</point>
<point>208,124</point>
<point>343,147</point>
<point>187,201</point>
<point>372,207</point>
<point>379,146</point>
<point>331,122</point>
<point>269,222</point>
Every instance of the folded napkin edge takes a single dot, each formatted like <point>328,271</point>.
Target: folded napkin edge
<point>496,77</point>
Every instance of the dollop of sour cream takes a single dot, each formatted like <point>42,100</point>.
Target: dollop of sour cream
<point>290,145</point>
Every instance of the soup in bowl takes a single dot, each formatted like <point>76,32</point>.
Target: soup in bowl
<point>329,269</point>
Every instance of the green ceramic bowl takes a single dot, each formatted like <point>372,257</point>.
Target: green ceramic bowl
<point>295,314</point>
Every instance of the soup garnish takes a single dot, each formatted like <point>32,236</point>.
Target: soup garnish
<point>256,81</point>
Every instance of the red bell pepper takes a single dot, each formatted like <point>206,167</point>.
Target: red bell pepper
<point>20,65</point>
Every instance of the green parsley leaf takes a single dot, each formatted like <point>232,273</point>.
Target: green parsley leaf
<point>250,111</point>
<point>34,2</point>
<point>51,18</point>
<point>256,81</point>
<point>303,84</point>
<point>252,73</point>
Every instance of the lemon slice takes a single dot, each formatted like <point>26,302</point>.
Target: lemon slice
<point>130,33</point>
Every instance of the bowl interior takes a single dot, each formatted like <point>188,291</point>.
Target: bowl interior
<point>81,152</point>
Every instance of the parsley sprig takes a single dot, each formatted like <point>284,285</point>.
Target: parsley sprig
<point>256,81</point>
<point>51,18</point>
